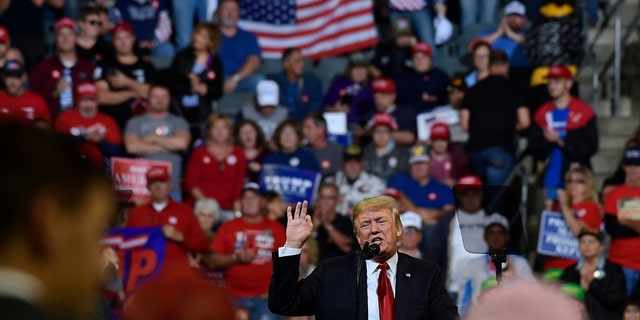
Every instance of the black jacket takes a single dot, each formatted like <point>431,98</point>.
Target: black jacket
<point>182,65</point>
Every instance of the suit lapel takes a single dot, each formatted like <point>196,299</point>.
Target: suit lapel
<point>403,287</point>
<point>364,311</point>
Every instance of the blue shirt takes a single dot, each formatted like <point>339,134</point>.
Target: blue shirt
<point>234,51</point>
<point>300,158</point>
<point>434,195</point>
<point>514,50</point>
<point>302,96</point>
<point>553,176</point>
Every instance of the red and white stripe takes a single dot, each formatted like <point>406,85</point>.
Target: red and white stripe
<point>163,29</point>
<point>120,243</point>
<point>407,5</point>
<point>323,29</point>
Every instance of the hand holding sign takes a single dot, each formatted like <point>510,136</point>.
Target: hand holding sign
<point>299,226</point>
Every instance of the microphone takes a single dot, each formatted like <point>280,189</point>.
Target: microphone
<point>370,251</point>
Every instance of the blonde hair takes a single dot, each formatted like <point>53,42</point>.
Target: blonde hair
<point>590,193</point>
<point>376,203</point>
<point>215,117</point>
<point>311,245</point>
<point>213,34</point>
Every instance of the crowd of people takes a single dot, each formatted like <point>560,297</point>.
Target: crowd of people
<point>434,142</point>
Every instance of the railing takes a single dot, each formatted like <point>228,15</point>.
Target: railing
<point>615,58</point>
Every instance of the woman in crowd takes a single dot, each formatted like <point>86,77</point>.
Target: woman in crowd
<point>196,76</point>
<point>288,140</point>
<point>449,161</point>
<point>250,138</point>
<point>218,168</point>
<point>480,50</point>
<point>603,281</point>
<point>207,211</point>
<point>579,206</point>
<point>352,93</point>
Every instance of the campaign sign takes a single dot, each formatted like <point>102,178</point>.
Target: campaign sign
<point>292,184</point>
<point>130,174</point>
<point>555,238</point>
<point>140,251</point>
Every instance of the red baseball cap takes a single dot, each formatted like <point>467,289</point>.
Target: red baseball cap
<point>122,26</point>
<point>422,47</point>
<point>468,182</point>
<point>558,71</point>
<point>4,34</point>
<point>477,43</point>
<point>440,131</point>
<point>392,192</point>
<point>157,173</point>
<point>384,119</point>
<point>384,85</point>
<point>86,90</point>
<point>65,23</point>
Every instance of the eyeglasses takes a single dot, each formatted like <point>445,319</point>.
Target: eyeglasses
<point>580,181</point>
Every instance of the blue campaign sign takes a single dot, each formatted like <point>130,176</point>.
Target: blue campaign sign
<point>555,238</point>
<point>292,184</point>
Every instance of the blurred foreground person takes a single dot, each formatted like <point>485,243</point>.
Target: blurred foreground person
<point>53,213</point>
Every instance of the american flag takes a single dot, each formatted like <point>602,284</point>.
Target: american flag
<point>320,28</point>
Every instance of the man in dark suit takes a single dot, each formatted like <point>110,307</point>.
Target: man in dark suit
<point>330,291</point>
<point>54,207</point>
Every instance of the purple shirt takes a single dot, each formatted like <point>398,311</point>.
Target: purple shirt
<point>361,101</point>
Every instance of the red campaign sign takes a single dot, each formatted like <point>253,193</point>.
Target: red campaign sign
<point>130,174</point>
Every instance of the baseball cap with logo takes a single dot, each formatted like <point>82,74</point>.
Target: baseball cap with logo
<point>558,71</point>
<point>352,152</point>
<point>422,47</point>
<point>251,186</point>
<point>4,34</point>
<point>418,153</point>
<point>86,90</point>
<point>515,8</point>
<point>392,192</point>
<point>65,23</point>
<point>13,68</point>
<point>631,156</point>
<point>440,131</point>
<point>411,219</point>
<point>157,173</point>
<point>384,85</point>
<point>468,182</point>
<point>268,93</point>
<point>383,119</point>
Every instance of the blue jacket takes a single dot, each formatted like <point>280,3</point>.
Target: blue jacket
<point>302,96</point>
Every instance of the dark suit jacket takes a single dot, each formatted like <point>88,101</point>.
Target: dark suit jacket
<point>329,292</point>
<point>16,309</point>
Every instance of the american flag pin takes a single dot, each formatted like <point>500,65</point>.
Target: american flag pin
<point>408,275</point>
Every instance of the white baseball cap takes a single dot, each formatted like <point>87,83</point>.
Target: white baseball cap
<point>498,219</point>
<point>411,219</point>
<point>515,7</point>
<point>268,93</point>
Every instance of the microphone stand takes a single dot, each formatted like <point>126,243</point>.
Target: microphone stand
<point>367,253</point>
<point>498,257</point>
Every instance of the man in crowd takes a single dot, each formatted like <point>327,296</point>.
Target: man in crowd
<point>56,78</point>
<point>329,154</point>
<point>383,156</point>
<point>242,247</point>
<point>564,131</point>
<point>90,45</point>
<point>97,134</point>
<point>123,82</point>
<point>425,86</point>
<point>5,45</point>
<point>622,219</point>
<point>424,196</point>
<point>240,53</point>
<point>333,231</point>
<point>16,102</point>
<point>179,224</point>
<point>267,111</point>
<point>411,234</point>
<point>54,207</point>
<point>492,112</point>
<point>458,230</point>
<point>300,91</point>
<point>159,135</point>
<point>384,99</point>
<point>354,183</point>
<point>329,292</point>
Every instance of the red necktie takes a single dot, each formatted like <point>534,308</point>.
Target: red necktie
<point>385,293</point>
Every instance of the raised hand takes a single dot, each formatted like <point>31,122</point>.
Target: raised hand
<point>299,226</point>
